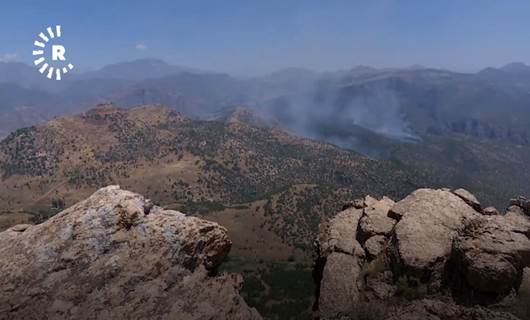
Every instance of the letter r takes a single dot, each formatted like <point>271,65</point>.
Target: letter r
<point>58,52</point>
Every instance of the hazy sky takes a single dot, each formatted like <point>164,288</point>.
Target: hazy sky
<point>247,36</point>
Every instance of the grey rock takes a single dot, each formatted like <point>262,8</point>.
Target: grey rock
<point>375,245</point>
<point>340,234</point>
<point>430,219</point>
<point>340,286</point>
<point>343,256</point>
<point>469,198</point>
<point>440,240</point>
<point>357,204</point>
<point>375,219</point>
<point>109,258</point>
<point>20,227</point>
<point>380,287</point>
<point>522,203</point>
<point>492,252</point>
<point>490,211</point>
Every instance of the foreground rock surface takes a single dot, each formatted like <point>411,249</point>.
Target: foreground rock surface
<point>492,253</point>
<point>116,256</point>
<point>430,219</point>
<point>433,255</point>
<point>338,247</point>
<point>438,310</point>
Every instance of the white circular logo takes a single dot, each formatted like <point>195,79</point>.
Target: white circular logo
<point>58,65</point>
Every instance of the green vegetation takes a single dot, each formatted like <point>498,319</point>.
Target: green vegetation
<point>41,214</point>
<point>236,264</point>
<point>278,290</point>
<point>410,287</point>
<point>30,152</point>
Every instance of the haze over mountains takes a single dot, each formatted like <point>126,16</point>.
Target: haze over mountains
<point>396,103</point>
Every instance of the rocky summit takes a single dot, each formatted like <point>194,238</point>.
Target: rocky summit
<point>433,255</point>
<point>116,255</point>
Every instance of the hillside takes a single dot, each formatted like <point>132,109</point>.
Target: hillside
<point>494,170</point>
<point>203,166</point>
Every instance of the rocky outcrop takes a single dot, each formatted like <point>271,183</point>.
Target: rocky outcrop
<point>375,220</point>
<point>429,221</point>
<point>492,254</point>
<point>340,234</point>
<point>339,260</point>
<point>437,248</point>
<point>341,284</point>
<point>522,203</point>
<point>114,256</point>
<point>469,198</point>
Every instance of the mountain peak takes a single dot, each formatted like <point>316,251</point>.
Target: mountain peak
<point>104,109</point>
<point>516,67</point>
<point>138,69</point>
<point>152,61</point>
<point>363,69</point>
<point>247,116</point>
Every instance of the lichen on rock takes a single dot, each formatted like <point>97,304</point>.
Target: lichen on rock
<point>113,256</point>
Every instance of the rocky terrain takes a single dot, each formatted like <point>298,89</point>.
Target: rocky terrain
<point>115,255</point>
<point>436,254</point>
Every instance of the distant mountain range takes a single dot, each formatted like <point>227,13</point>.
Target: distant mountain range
<point>197,93</point>
<point>396,103</point>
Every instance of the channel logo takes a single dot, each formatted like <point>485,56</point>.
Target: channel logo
<point>57,66</point>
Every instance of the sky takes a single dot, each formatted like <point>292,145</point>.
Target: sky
<point>250,36</point>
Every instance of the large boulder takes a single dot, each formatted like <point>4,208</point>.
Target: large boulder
<point>492,252</point>
<point>341,285</point>
<point>338,264</point>
<point>340,234</point>
<point>375,245</point>
<point>375,220</point>
<point>429,221</point>
<point>116,256</point>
